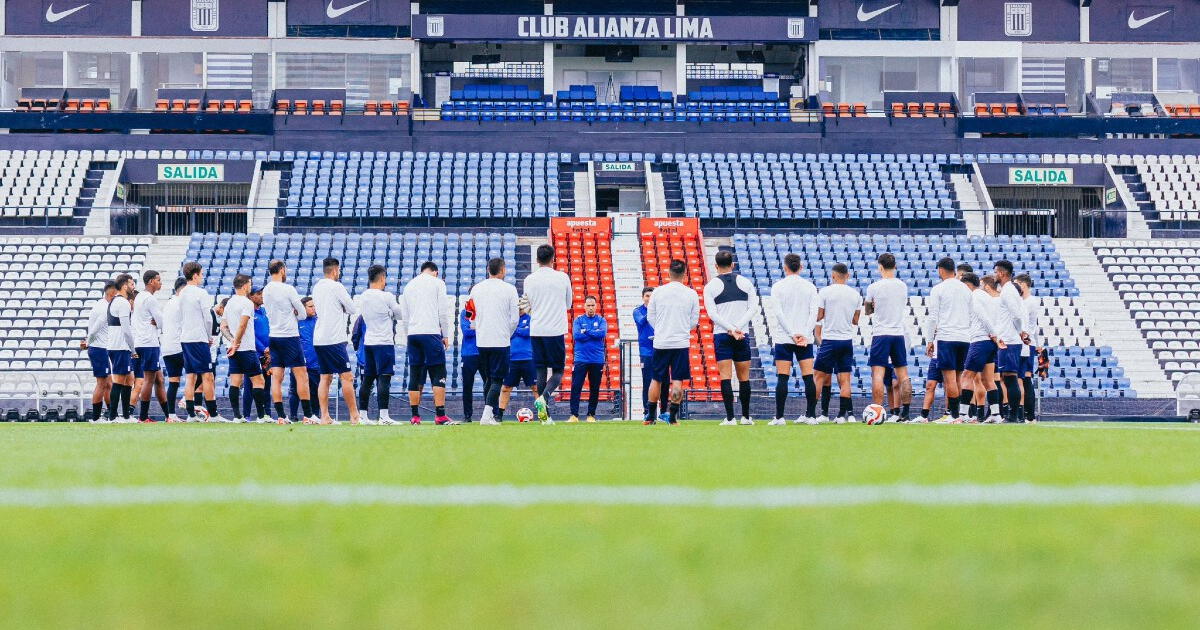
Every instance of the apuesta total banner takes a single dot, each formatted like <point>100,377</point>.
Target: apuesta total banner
<point>348,12</point>
<point>884,14</point>
<point>68,17</point>
<point>615,28</point>
<point>1030,20</point>
<point>204,18</point>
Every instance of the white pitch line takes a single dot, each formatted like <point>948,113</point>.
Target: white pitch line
<point>1020,494</point>
<point>1119,426</point>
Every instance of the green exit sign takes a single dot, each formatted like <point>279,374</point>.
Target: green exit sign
<point>1040,176</point>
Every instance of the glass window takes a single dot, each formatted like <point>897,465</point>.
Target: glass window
<point>1058,75</point>
<point>865,79</point>
<point>985,74</point>
<point>365,77</point>
<point>100,70</point>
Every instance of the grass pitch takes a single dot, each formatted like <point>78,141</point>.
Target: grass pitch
<point>173,558</point>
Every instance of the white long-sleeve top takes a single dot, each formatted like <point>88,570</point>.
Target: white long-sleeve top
<point>284,309</point>
<point>1033,309</point>
<point>170,328</point>
<point>949,317</point>
<point>1010,315</point>
<point>674,311</point>
<point>731,300</point>
<point>120,327</point>
<point>335,310</point>
<point>983,315</point>
<point>796,308</point>
<point>425,309</point>
<point>97,330</point>
<point>549,293</point>
<point>147,320</point>
<point>381,312</point>
<point>496,313</point>
<point>195,315</point>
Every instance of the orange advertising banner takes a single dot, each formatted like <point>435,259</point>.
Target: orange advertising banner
<point>662,225</point>
<point>581,225</point>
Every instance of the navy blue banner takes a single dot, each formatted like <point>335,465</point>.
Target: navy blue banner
<point>348,12</point>
<point>68,17</point>
<point>622,28</point>
<point>1029,20</point>
<point>1145,21</point>
<point>204,18</point>
<point>890,14</point>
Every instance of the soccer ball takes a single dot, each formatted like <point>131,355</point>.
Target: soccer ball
<point>524,414</point>
<point>874,414</point>
<point>202,414</point>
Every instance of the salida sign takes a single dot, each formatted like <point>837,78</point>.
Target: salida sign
<point>191,172</point>
<point>1024,176</point>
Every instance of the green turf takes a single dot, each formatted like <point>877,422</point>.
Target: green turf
<point>567,566</point>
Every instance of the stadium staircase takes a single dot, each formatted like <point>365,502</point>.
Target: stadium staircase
<point>628,279</point>
<point>97,223</point>
<point>672,188</point>
<point>969,202</point>
<point>264,200</point>
<point>166,255</point>
<point>1155,185</point>
<point>587,259</point>
<point>1111,320</point>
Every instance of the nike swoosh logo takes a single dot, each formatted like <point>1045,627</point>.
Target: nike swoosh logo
<point>1139,23</point>
<point>334,14</point>
<point>864,15</point>
<point>53,17</point>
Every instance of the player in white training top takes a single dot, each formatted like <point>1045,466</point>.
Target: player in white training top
<point>147,329</point>
<point>284,312</point>
<point>429,331</point>
<point>172,351</point>
<point>731,300</point>
<point>1011,328</point>
<point>1032,347</point>
<point>887,305</point>
<point>837,326</point>
<point>549,293</point>
<point>795,317</point>
<point>96,344</point>
<point>243,356</point>
<point>121,348</point>
<point>948,330</point>
<point>381,313</point>
<point>674,312</point>
<point>497,312</point>
<point>195,338</point>
<point>335,312</point>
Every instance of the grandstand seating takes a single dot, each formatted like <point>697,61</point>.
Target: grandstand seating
<point>1166,189</point>
<point>1183,111</point>
<point>1159,282</point>
<point>922,110</point>
<point>37,186</point>
<point>461,257</point>
<point>808,186</point>
<point>844,110</point>
<point>48,287</point>
<point>631,111</point>
<point>387,185</point>
<point>1079,367</point>
<point>658,250</point>
<point>587,258</point>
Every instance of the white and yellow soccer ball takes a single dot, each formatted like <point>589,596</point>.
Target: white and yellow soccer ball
<point>524,414</point>
<point>874,414</point>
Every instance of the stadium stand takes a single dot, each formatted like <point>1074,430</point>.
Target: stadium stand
<point>388,185</point>
<point>1159,281</point>
<point>843,187</point>
<point>658,250</point>
<point>48,286</point>
<point>40,188</point>
<point>587,258</point>
<point>1166,191</point>
<point>461,258</point>
<point>1079,365</point>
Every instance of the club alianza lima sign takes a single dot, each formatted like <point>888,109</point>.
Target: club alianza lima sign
<point>1041,176</point>
<point>724,28</point>
<point>191,172</point>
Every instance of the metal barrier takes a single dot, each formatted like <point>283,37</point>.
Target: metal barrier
<point>37,392</point>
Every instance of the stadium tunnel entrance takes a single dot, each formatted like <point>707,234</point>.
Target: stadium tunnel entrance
<point>180,198</point>
<point>1062,201</point>
<point>620,187</point>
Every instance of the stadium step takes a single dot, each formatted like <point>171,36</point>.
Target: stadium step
<point>1127,184</point>
<point>264,202</point>
<point>970,203</point>
<point>166,256</point>
<point>628,278</point>
<point>1111,320</point>
<point>655,193</point>
<point>98,219</point>
<point>585,187</point>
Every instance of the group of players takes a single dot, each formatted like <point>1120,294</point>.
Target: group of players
<point>980,331</point>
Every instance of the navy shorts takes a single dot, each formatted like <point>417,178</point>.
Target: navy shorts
<point>788,351</point>
<point>1028,364</point>
<point>835,356</point>
<point>980,354</point>
<point>1009,359</point>
<point>933,372</point>
<point>121,361</point>
<point>549,352</point>
<point>381,361</point>
<point>197,359</point>
<point>672,364</point>
<point>888,350</point>
<point>245,362</point>
<point>730,349</point>
<point>149,360</point>
<point>286,352</point>
<point>98,357</point>
<point>173,364</point>
<point>493,363</point>
<point>426,350</point>
<point>520,372</point>
<point>333,358</point>
<point>952,355</point>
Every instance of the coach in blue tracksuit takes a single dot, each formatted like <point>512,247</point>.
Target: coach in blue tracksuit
<point>646,348</point>
<point>520,364</point>
<point>589,331</point>
<point>469,352</point>
<point>310,356</point>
